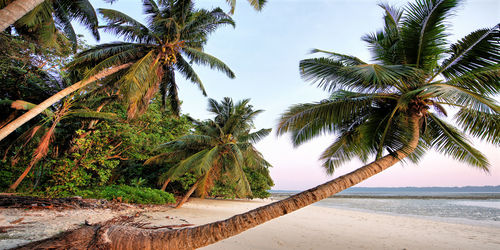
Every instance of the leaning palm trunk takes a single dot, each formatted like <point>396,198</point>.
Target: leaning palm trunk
<point>127,237</point>
<point>188,194</point>
<point>5,131</point>
<point>165,184</point>
<point>15,10</point>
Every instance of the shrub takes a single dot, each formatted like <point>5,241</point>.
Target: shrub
<point>141,195</point>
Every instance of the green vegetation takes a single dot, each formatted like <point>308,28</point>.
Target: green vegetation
<point>87,142</point>
<point>140,195</point>
<point>218,151</point>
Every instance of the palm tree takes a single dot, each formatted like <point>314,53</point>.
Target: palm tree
<point>408,78</point>
<point>174,35</point>
<point>146,63</point>
<point>49,22</point>
<point>222,146</point>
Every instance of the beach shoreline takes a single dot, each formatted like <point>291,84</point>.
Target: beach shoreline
<point>313,227</point>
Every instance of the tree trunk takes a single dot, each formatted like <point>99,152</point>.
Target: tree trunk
<point>165,184</point>
<point>15,10</point>
<point>9,128</point>
<point>127,237</point>
<point>189,193</point>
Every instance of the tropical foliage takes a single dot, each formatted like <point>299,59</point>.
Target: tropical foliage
<point>172,38</point>
<point>49,23</point>
<point>218,148</point>
<point>414,72</point>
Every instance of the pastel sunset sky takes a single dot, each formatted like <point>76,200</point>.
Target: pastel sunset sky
<point>264,51</point>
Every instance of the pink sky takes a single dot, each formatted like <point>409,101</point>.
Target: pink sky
<point>298,168</point>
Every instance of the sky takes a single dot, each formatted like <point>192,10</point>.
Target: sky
<point>264,50</point>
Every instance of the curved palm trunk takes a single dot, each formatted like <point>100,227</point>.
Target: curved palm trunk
<point>127,237</point>
<point>165,184</point>
<point>9,128</point>
<point>15,10</point>
<point>188,194</point>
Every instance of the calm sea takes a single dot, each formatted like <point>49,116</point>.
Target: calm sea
<point>476,205</point>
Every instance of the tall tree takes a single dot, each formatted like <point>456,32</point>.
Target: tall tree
<point>218,147</point>
<point>174,36</point>
<point>407,79</point>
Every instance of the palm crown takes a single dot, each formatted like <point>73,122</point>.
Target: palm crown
<point>222,146</point>
<point>414,73</point>
<point>172,39</point>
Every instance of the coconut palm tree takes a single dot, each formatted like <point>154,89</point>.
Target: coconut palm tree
<point>413,72</point>
<point>173,38</point>
<point>49,22</point>
<point>222,146</point>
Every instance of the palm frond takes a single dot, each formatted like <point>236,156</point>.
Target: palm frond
<point>307,121</point>
<point>447,140</point>
<point>255,136</point>
<point>344,59</point>
<point>256,4</point>
<point>461,97</point>
<point>199,57</point>
<point>483,81</point>
<point>483,125</point>
<point>332,74</point>
<point>477,50</point>
<point>423,31</point>
<point>188,72</point>
<point>83,12</point>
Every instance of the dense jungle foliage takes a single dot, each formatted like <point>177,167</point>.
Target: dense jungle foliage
<point>85,145</point>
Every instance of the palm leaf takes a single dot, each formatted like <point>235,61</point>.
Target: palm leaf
<point>448,140</point>
<point>199,57</point>
<point>423,31</point>
<point>483,125</point>
<point>477,50</point>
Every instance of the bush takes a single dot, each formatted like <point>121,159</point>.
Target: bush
<point>139,195</point>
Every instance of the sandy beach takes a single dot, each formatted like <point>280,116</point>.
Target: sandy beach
<point>313,227</point>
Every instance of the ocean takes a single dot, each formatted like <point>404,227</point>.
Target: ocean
<point>472,205</point>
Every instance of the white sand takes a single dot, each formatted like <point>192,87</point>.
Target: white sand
<point>312,227</point>
<point>316,227</point>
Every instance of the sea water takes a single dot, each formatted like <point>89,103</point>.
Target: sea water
<point>481,206</point>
